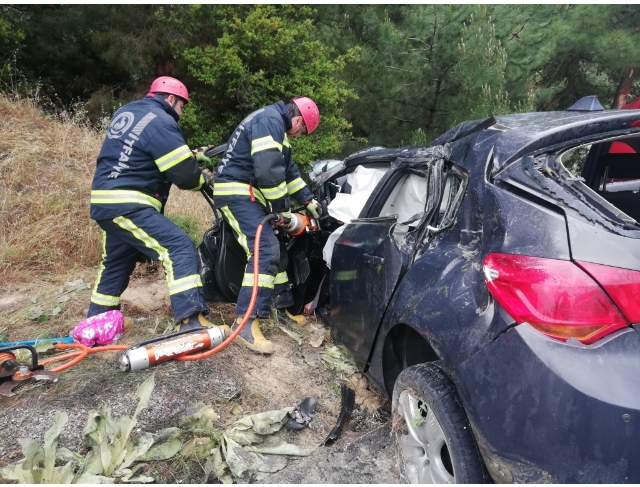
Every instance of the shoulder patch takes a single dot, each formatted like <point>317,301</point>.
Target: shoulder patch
<point>120,124</point>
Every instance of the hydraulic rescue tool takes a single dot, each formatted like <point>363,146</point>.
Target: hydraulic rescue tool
<point>300,224</point>
<point>14,375</point>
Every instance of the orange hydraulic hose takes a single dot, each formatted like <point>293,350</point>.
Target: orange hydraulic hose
<point>84,351</point>
<point>252,303</point>
<point>78,356</point>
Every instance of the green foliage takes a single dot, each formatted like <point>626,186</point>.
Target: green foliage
<point>113,449</point>
<point>189,225</point>
<point>252,56</point>
<point>426,67</point>
<point>590,47</point>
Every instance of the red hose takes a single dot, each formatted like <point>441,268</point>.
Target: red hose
<point>245,319</point>
<point>77,356</point>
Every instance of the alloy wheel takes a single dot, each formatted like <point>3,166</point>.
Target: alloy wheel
<point>424,448</point>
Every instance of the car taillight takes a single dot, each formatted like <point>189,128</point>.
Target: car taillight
<point>622,285</point>
<point>554,296</point>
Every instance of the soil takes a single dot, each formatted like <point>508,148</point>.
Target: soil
<point>234,379</point>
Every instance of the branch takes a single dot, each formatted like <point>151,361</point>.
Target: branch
<point>404,121</point>
<point>400,69</point>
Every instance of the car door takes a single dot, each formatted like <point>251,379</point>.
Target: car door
<point>375,250</point>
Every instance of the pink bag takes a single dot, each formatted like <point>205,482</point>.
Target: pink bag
<point>102,329</point>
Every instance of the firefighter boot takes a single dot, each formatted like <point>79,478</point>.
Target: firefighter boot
<point>197,321</point>
<point>286,318</point>
<point>251,337</point>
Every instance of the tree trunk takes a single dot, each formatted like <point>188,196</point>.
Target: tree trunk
<point>624,88</point>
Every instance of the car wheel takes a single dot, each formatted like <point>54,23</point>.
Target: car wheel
<point>433,437</point>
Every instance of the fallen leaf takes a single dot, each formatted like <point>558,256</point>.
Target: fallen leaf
<point>337,362</point>
<point>292,334</point>
<point>312,359</point>
<point>315,342</point>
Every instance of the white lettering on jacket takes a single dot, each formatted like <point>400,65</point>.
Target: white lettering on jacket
<point>127,147</point>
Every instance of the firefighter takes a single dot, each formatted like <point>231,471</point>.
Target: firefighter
<point>256,176</point>
<point>143,154</point>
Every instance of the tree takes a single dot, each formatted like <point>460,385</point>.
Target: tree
<point>594,52</point>
<point>238,58</point>
<point>423,67</point>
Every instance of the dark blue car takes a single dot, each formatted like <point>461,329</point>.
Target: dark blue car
<point>489,283</point>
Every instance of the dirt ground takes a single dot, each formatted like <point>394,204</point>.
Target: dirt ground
<point>234,380</point>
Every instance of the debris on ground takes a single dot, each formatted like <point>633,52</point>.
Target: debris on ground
<point>348,396</point>
<point>302,414</point>
<point>338,362</point>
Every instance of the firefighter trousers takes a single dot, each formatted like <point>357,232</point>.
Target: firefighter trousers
<point>147,232</point>
<point>244,216</point>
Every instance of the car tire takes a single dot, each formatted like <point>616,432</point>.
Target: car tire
<point>431,430</point>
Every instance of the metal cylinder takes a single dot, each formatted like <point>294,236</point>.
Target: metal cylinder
<point>296,227</point>
<point>144,357</point>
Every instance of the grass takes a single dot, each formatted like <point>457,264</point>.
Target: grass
<point>46,168</point>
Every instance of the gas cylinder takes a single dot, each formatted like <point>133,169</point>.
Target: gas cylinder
<point>144,357</point>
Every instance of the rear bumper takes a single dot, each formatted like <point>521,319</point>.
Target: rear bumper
<point>548,411</point>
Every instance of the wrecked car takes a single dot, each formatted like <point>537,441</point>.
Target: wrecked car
<point>488,283</point>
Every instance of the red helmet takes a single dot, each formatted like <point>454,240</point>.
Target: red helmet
<point>309,111</point>
<point>171,86</point>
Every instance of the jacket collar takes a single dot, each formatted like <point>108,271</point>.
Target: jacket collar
<point>280,106</point>
<point>164,105</point>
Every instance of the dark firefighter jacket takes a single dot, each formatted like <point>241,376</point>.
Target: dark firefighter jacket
<point>258,164</point>
<point>142,155</point>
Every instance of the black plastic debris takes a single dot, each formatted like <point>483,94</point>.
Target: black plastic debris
<point>347,403</point>
<point>301,415</point>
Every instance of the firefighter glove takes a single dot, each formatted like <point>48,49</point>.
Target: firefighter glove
<point>208,177</point>
<point>201,158</point>
<point>284,219</point>
<point>314,208</point>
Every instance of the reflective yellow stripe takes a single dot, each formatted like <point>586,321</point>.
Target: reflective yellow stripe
<point>149,242</point>
<point>264,280</point>
<point>242,238</point>
<point>281,278</point>
<point>275,192</point>
<point>237,189</point>
<point>104,300</point>
<point>295,185</point>
<point>264,143</point>
<point>104,257</point>
<point>184,284</point>
<point>174,157</point>
<point>200,184</point>
<point>285,142</point>
<point>346,275</point>
<point>120,196</point>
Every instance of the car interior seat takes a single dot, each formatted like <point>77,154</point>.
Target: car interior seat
<point>620,166</point>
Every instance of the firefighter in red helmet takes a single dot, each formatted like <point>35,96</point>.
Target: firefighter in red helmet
<point>257,176</point>
<point>143,154</point>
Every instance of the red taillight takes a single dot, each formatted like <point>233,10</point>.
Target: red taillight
<point>554,296</point>
<point>622,285</point>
